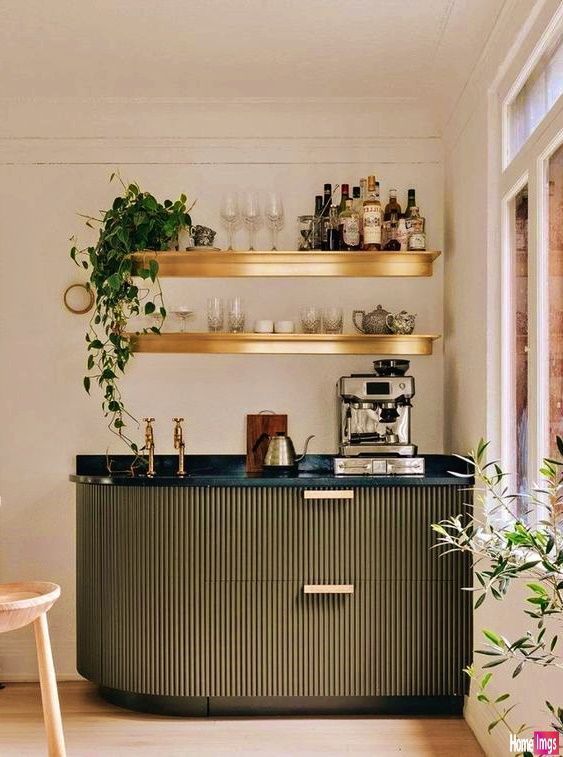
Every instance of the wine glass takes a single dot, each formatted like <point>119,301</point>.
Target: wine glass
<point>183,313</point>
<point>230,214</point>
<point>274,214</point>
<point>251,216</point>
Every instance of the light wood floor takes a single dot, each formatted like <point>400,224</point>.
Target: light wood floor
<point>95,728</point>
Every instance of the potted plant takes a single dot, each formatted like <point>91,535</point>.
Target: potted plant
<point>514,538</point>
<point>135,221</point>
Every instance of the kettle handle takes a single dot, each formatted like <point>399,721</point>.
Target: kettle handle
<point>354,314</point>
<point>259,441</point>
<point>389,315</point>
<point>307,440</point>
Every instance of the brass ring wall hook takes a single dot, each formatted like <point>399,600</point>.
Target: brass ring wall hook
<point>87,307</point>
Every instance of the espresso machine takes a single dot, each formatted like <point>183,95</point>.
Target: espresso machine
<point>374,417</point>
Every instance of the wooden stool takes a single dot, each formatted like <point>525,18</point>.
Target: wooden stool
<point>24,603</point>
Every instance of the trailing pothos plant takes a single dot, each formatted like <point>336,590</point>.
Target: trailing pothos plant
<point>514,537</point>
<point>136,221</point>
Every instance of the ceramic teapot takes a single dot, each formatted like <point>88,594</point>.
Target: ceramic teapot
<point>374,322</point>
<point>400,323</point>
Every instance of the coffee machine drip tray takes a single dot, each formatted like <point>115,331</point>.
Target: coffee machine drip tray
<point>379,466</point>
<point>376,450</point>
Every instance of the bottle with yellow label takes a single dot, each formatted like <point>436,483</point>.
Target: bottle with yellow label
<point>371,218</point>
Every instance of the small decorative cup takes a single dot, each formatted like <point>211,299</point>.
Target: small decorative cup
<point>332,320</point>
<point>263,327</point>
<point>236,316</point>
<point>215,314</point>
<point>310,319</point>
<point>284,327</point>
<point>203,236</point>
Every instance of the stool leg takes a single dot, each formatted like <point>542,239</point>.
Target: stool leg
<point>49,695</point>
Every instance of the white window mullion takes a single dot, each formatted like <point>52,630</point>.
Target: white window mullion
<point>534,318</point>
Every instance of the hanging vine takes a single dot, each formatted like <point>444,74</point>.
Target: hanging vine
<point>136,221</point>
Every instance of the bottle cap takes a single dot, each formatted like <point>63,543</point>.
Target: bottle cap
<point>371,183</point>
<point>356,192</point>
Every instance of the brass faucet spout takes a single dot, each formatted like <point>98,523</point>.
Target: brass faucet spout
<point>179,445</point>
<point>149,445</point>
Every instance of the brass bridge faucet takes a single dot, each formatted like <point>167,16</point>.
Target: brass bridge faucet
<point>149,445</point>
<point>179,445</point>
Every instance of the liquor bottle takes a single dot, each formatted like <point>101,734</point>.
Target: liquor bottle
<point>349,222</point>
<point>411,202</point>
<point>318,223</point>
<point>332,241</point>
<point>372,218</point>
<point>415,228</point>
<point>327,194</point>
<point>402,233</point>
<point>358,205</point>
<point>344,195</point>
<point>392,209</point>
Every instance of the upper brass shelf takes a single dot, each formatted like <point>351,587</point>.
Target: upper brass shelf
<point>290,263</point>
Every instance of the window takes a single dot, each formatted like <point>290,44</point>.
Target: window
<point>519,212</point>
<point>555,273</point>
<point>537,96</point>
<point>529,401</point>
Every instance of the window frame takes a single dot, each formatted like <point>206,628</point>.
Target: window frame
<point>530,165</point>
<point>553,30</point>
<point>505,175</point>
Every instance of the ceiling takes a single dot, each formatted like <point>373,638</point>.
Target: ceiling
<point>242,48</point>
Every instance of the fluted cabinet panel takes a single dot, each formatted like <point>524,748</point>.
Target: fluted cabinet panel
<point>144,600</point>
<point>276,534</point>
<point>199,591</point>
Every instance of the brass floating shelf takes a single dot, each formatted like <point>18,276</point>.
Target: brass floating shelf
<point>223,264</point>
<point>285,344</point>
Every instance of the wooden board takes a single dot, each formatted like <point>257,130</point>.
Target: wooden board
<point>256,425</point>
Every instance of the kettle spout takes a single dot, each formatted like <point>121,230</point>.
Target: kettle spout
<point>307,440</point>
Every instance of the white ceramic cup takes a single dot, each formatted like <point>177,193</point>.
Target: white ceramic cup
<point>263,327</point>
<point>284,327</point>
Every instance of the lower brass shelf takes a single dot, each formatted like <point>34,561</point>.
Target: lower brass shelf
<point>285,344</point>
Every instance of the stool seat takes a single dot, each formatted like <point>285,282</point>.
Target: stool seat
<point>21,603</point>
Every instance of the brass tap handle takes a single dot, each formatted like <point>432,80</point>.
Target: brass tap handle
<point>178,434</point>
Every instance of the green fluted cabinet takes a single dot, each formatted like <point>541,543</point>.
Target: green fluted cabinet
<point>194,599</point>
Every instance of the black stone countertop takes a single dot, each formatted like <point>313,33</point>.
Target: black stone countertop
<point>229,470</point>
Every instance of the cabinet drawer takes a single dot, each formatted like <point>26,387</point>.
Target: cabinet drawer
<point>272,639</point>
<point>290,533</point>
<point>377,639</point>
<point>280,534</point>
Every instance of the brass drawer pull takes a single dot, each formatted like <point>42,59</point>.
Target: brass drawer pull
<point>328,589</point>
<point>328,494</point>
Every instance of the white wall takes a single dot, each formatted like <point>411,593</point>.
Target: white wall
<point>55,159</point>
<point>472,313</point>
